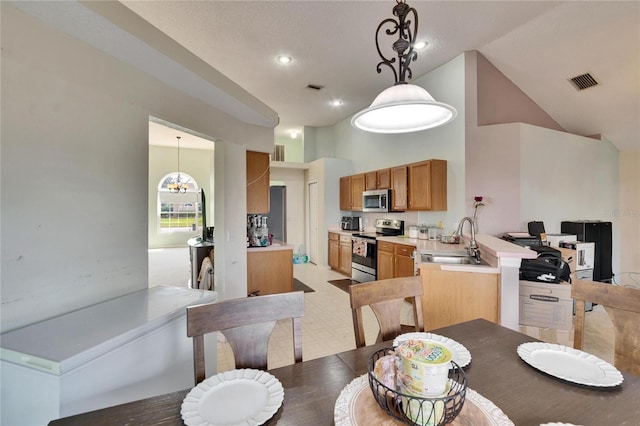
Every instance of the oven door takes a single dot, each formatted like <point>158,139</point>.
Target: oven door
<point>363,259</point>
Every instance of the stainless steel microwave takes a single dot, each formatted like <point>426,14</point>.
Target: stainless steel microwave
<point>376,200</point>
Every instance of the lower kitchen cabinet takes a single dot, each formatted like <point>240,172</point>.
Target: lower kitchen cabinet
<point>269,270</point>
<point>394,260</point>
<point>340,252</point>
<point>451,297</point>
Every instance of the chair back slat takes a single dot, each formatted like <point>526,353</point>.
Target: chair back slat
<point>386,297</point>
<point>623,307</point>
<point>247,324</point>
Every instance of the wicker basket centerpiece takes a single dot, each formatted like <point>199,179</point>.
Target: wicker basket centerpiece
<point>413,409</point>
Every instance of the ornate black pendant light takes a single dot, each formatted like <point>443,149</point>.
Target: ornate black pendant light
<point>403,107</point>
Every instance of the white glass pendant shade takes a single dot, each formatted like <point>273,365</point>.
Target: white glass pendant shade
<point>403,108</point>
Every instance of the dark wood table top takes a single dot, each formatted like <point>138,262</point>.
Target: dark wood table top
<point>526,395</point>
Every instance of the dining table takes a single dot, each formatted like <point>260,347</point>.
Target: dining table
<point>526,395</point>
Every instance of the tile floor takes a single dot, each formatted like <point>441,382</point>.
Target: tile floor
<point>327,326</point>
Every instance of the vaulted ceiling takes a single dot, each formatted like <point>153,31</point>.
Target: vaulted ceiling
<point>537,45</point>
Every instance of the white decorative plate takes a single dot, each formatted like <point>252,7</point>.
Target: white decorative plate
<point>343,411</point>
<point>238,397</point>
<point>459,353</point>
<point>570,364</point>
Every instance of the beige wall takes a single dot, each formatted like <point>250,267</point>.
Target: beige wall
<point>629,216</point>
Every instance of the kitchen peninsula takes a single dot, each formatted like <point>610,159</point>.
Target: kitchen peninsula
<point>460,292</point>
<point>270,269</point>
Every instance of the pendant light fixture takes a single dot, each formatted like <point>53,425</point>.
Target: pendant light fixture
<point>403,107</point>
<point>177,186</point>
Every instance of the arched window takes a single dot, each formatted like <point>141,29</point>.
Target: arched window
<point>179,211</point>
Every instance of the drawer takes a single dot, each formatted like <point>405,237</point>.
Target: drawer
<point>385,246</point>
<point>345,239</point>
<point>546,305</point>
<point>553,291</point>
<point>333,236</point>
<point>403,250</point>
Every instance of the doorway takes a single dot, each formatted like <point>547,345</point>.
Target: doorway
<point>277,221</point>
<point>169,260</point>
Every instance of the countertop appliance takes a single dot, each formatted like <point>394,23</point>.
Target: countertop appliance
<point>351,223</point>
<point>376,201</point>
<point>365,250</point>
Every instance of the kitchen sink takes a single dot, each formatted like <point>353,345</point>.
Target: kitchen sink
<point>453,258</point>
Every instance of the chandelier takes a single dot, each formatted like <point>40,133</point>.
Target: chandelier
<point>178,186</point>
<point>403,107</point>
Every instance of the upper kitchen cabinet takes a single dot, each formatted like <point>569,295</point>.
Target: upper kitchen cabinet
<point>351,189</point>
<point>345,193</point>
<point>399,188</point>
<point>379,179</point>
<point>428,185</point>
<point>357,188</point>
<point>257,182</point>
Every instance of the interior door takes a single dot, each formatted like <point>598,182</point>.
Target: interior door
<point>313,214</point>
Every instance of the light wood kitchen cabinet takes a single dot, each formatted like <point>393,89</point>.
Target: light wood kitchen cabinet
<point>379,179</point>
<point>345,255</point>
<point>427,185</point>
<point>334,251</point>
<point>351,188</point>
<point>394,260</point>
<point>399,188</point>
<point>403,265</point>
<point>384,269</point>
<point>357,188</point>
<point>345,193</point>
<point>258,180</point>
<point>451,297</point>
<point>340,252</point>
<point>269,271</point>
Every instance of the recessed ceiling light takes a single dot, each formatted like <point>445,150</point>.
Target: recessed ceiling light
<point>283,59</point>
<point>336,102</point>
<point>420,45</point>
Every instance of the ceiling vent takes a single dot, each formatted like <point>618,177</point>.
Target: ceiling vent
<point>314,86</point>
<point>584,81</point>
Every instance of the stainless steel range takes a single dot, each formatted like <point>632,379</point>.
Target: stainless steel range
<point>364,257</point>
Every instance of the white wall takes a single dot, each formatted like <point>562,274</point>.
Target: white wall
<point>566,177</point>
<point>629,217</point>
<point>529,173</point>
<point>74,167</point>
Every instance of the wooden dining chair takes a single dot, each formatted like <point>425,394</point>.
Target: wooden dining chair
<point>623,306</point>
<point>386,297</point>
<point>247,324</point>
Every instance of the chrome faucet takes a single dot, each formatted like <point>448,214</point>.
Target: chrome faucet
<point>472,249</point>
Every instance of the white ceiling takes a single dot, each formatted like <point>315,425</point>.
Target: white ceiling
<point>538,45</point>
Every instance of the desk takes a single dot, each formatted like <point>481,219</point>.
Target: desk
<point>526,395</point>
